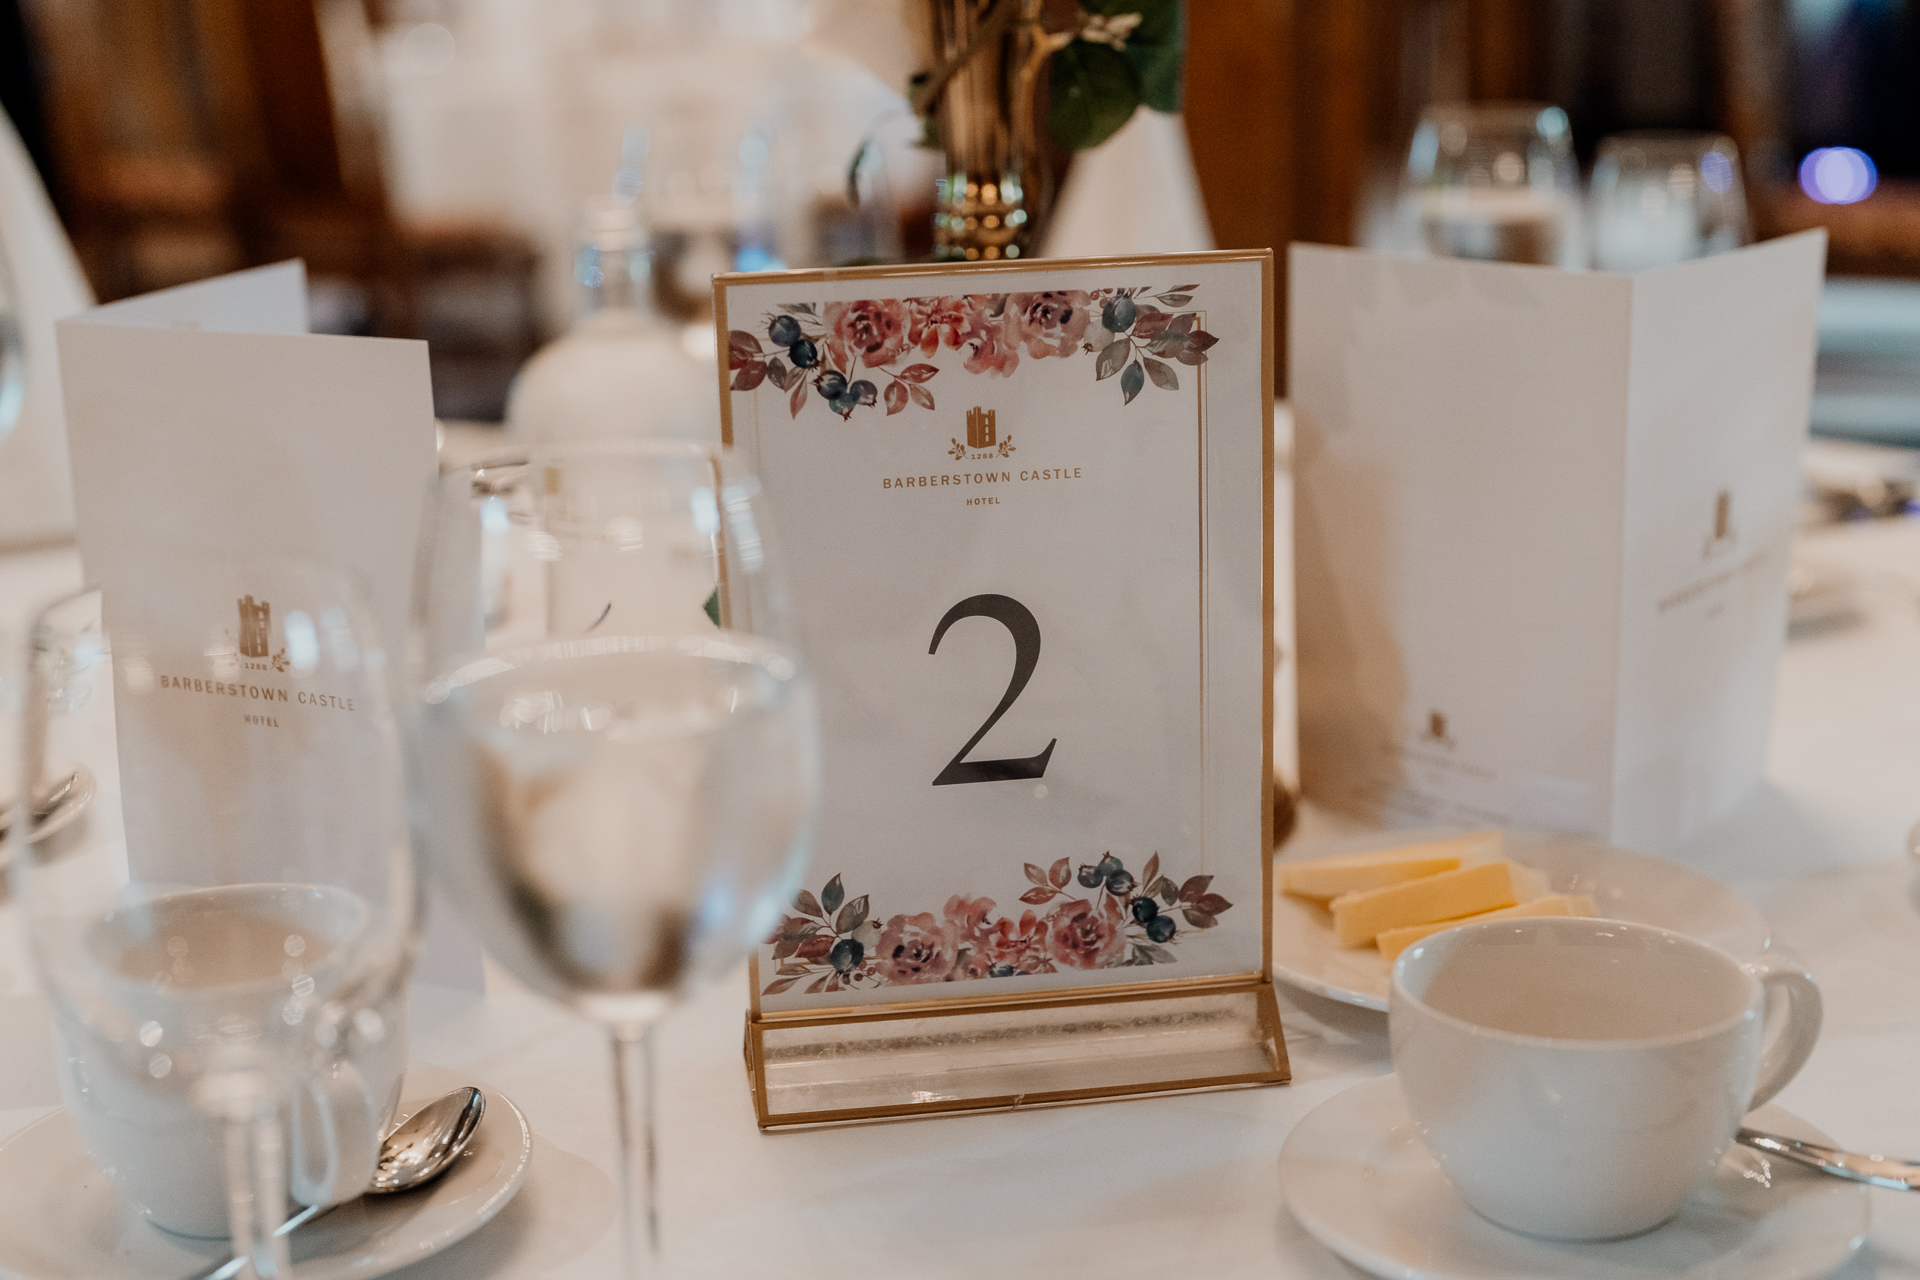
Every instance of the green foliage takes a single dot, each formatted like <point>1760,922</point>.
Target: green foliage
<point>1096,88</point>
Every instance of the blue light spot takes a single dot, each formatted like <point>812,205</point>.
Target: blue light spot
<point>1838,175</point>
<point>1716,171</point>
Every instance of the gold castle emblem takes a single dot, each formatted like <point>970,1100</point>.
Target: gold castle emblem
<point>980,428</point>
<point>255,628</point>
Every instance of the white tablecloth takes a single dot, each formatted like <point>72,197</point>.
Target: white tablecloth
<point>1173,1187</point>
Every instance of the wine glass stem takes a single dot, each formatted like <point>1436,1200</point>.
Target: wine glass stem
<point>633,1094</point>
<point>257,1188</point>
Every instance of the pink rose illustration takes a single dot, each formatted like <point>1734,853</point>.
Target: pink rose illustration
<point>968,916</point>
<point>876,331</point>
<point>1049,324</point>
<point>989,350</point>
<point>1083,936</point>
<point>1019,948</point>
<point>933,321</point>
<point>915,949</point>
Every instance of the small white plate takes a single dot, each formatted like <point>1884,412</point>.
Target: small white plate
<point>1623,885</point>
<point>64,1221</point>
<point>1359,1180</point>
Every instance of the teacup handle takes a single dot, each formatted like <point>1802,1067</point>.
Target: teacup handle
<point>345,1132</point>
<point>1786,979</point>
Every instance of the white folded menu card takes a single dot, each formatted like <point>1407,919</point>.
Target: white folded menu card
<point>1542,523</point>
<point>205,420</point>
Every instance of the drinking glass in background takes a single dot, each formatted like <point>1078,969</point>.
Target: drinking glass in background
<point>208,844</point>
<point>618,742</point>
<point>1496,181</point>
<point>1659,197</point>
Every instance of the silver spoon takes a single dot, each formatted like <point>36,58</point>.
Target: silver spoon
<point>1875,1171</point>
<point>415,1153</point>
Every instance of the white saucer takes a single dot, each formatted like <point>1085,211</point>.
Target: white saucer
<point>1624,886</point>
<point>64,1221</point>
<point>1359,1180</point>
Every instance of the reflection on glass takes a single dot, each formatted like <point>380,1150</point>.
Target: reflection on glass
<point>1495,181</point>
<point>1665,196</point>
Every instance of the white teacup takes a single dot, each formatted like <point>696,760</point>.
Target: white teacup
<point>1578,1078</point>
<point>232,950</point>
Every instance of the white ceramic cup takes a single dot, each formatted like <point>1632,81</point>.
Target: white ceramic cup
<point>1578,1078</point>
<point>137,1115</point>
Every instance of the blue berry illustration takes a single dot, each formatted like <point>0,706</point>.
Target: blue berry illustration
<point>846,955</point>
<point>785,331</point>
<point>1090,876</point>
<point>804,352</point>
<point>1144,910</point>
<point>1120,883</point>
<point>1118,315</point>
<point>1160,928</point>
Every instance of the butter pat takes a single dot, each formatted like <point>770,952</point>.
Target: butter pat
<point>1359,917</point>
<point>1325,878</point>
<point>1393,941</point>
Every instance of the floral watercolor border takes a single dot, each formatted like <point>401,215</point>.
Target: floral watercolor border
<point>829,348</point>
<point>832,944</point>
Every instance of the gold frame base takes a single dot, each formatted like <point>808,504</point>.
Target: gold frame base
<point>901,1061</point>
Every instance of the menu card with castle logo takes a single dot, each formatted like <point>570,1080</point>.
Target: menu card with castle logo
<point>1027,514</point>
<point>1543,527</point>
<point>206,425</point>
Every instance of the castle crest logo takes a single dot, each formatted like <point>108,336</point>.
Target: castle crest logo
<point>983,435</point>
<point>256,628</point>
<point>980,428</point>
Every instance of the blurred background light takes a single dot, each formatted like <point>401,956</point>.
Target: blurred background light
<point>1838,175</point>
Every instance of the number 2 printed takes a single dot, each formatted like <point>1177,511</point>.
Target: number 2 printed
<point>1016,618</point>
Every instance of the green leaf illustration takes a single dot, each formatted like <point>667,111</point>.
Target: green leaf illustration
<point>1150,874</point>
<point>1095,91</point>
<point>1112,357</point>
<point>1131,381</point>
<point>1158,954</point>
<point>851,916</point>
<point>835,893</point>
<point>1198,919</point>
<point>1192,889</point>
<point>807,904</point>
<point>1211,904</point>
<point>1163,376</point>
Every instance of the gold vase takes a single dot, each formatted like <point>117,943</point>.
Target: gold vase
<point>991,197</point>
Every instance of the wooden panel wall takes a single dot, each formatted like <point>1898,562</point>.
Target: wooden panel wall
<point>1295,108</point>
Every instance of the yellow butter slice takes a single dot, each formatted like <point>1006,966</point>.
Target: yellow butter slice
<point>1393,941</point>
<point>1325,878</point>
<point>1360,917</point>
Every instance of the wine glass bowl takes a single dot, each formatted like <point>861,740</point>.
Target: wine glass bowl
<point>1495,181</point>
<point>617,740</point>
<point>1663,196</point>
<point>212,863</point>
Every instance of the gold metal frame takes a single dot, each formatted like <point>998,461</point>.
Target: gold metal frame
<point>1258,987</point>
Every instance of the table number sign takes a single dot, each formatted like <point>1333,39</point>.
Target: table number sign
<point>1028,509</point>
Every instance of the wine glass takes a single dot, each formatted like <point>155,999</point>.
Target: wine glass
<point>1495,181</point>
<point>208,843</point>
<point>1663,196</point>
<point>618,742</point>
